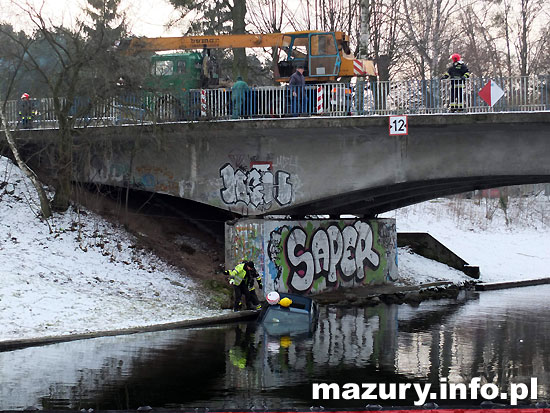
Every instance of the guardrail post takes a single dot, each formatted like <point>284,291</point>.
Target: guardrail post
<point>204,106</point>
<point>320,99</point>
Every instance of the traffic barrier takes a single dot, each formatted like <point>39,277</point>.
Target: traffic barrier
<point>364,98</point>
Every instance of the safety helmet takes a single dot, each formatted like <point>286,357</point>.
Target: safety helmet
<point>455,57</point>
<point>25,96</point>
<point>285,302</point>
<point>273,297</point>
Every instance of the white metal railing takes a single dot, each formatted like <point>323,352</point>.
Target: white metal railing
<point>330,99</point>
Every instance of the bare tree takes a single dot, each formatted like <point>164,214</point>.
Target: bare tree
<point>45,208</point>
<point>70,55</point>
<point>326,15</point>
<point>429,30</point>
<point>238,14</point>
<point>363,48</point>
<point>523,28</point>
<point>267,16</point>
<point>9,82</point>
<point>10,73</point>
<point>502,20</point>
<point>385,35</point>
<point>478,39</point>
<point>529,41</point>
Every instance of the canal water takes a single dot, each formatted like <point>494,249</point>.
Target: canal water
<point>502,337</point>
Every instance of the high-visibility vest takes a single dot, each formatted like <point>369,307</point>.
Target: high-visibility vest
<point>238,274</point>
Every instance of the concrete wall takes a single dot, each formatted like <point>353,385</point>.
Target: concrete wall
<point>311,256</point>
<point>305,166</point>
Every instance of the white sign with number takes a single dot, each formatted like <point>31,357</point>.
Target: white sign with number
<point>399,125</point>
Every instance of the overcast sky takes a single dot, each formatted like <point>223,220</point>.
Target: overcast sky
<point>149,18</point>
<point>145,17</point>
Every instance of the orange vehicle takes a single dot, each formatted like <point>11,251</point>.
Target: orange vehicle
<point>326,56</point>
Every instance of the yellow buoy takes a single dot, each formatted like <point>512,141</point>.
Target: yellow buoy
<point>285,302</point>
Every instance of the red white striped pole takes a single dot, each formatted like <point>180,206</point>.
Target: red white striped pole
<point>320,99</point>
<point>358,68</point>
<point>203,103</point>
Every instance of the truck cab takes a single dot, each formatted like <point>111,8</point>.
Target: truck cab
<point>175,71</point>
<point>317,51</point>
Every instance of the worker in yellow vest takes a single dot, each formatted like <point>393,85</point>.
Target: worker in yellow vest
<point>242,279</point>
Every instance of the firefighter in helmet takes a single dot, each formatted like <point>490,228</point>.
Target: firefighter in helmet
<point>458,72</point>
<point>26,111</point>
<point>242,279</point>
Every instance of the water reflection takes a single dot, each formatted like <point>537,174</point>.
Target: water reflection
<point>499,336</point>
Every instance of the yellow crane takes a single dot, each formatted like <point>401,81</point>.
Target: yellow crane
<point>326,56</point>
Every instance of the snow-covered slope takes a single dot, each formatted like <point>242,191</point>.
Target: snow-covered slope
<point>83,275</point>
<point>517,250</point>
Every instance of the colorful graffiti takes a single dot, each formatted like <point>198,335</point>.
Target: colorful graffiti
<point>325,255</point>
<point>255,187</point>
<point>247,244</point>
<point>316,255</point>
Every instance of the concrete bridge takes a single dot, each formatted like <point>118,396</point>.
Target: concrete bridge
<point>305,166</point>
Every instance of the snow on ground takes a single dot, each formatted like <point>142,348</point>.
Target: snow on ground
<point>87,275</point>
<point>478,232</point>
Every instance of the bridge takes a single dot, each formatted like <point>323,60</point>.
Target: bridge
<point>315,165</point>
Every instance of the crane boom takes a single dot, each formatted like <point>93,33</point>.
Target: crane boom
<point>223,41</point>
<point>230,41</point>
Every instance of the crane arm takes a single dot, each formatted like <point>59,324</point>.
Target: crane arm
<point>229,41</point>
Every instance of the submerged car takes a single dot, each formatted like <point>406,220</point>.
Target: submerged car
<point>297,318</point>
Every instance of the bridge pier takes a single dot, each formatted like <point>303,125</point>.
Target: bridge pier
<point>311,256</point>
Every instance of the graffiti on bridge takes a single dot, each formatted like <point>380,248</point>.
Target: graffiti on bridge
<point>247,244</point>
<point>255,187</point>
<point>324,255</point>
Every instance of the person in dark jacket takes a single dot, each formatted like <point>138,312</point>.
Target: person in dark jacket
<point>458,72</point>
<point>296,85</point>
<point>251,276</point>
<point>26,111</point>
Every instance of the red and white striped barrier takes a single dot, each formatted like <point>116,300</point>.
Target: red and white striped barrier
<point>204,108</point>
<point>320,99</point>
<point>358,67</point>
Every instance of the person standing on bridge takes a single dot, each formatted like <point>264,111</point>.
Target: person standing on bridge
<point>458,73</point>
<point>240,278</point>
<point>239,93</point>
<point>26,111</point>
<point>296,85</point>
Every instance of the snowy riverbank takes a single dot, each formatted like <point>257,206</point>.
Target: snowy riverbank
<point>519,250</point>
<point>88,275</point>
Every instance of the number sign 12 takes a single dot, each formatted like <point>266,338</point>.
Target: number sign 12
<point>399,125</point>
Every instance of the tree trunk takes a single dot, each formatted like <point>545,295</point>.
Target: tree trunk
<point>44,202</point>
<point>62,197</point>
<point>238,13</point>
<point>364,36</point>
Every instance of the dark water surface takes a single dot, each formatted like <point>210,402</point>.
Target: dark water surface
<point>502,337</point>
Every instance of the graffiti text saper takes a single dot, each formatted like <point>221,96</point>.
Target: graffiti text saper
<point>255,187</point>
<point>332,252</point>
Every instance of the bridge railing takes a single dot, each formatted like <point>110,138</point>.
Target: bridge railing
<point>333,99</point>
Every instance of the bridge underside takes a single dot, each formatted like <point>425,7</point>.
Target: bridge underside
<point>372,201</point>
